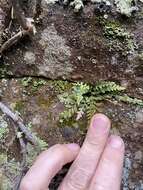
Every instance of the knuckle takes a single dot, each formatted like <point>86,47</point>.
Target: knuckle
<point>78,179</point>
<point>96,139</point>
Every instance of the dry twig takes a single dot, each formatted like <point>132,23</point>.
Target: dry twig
<point>19,14</point>
<point>23,146</point>
<point>19,123</point>
<point>27,25</point>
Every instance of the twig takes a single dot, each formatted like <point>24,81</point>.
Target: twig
<point>11,41</point>
<point>27,25</point>
<point>19,14</point>
<point>19,123</point>
<point>23,147</point>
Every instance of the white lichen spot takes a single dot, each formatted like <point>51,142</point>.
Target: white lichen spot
<point>36,120</point>
<point>101,1</point>
<point>77,4</point>
<point>29,58</point>
<point>126,7</point>
<point>139,116</point>
<point>56,54</point>
<point>47,2</point>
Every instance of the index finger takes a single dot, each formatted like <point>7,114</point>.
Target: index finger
<point>47,165</point>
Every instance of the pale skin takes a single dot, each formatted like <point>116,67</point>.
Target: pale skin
<point>97,165</point>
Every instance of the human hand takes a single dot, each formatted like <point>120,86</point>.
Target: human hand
<point>97,164</point>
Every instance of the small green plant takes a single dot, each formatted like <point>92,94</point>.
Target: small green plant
<point>84,99</point>
<point>38,83</point>
<point>130,100</point>
<point>113,30</point>
<point>42,145</point>
<point>26,81</point>
<point>61,86</point>
<point>117,36</point>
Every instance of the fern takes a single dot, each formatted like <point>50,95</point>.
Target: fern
<point>61,86</point>
<point>91,107</point>
<point>68,113</point>
<point>105,87</point>
<point>130,100</point>
<point>84,99</point>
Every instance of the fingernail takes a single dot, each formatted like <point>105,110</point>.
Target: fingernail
<point>115,142</point>
<point>73,146</point>
<point>101,123</point>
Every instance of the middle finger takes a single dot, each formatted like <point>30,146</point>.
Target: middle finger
<point>83,168</point>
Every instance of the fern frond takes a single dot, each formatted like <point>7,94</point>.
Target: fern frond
<point>130,100</point>
<point>106,87</point>
<point>84,98</point>
<point>68,113</point>
<point>91,110</point>
<point>81,88</point>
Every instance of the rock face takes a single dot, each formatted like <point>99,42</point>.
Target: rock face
<point>80,46</point>
<point>40,107</point>
<point>56,54</point>
<point>96,44</point>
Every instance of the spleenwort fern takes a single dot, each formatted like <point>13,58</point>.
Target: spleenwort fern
<point>84,99</point>
<point>129,100</point>
<point>105,87</point>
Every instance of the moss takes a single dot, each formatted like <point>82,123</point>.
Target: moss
<point>44,102</point>
<point>3,71</point>
<point>118,38</point>
<point>114,30</point>
<point>19,105</point>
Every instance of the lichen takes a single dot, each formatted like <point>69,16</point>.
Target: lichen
<point>56,61</point>
<point>49,2</point>
<point>126,7</point>
<point>29,58</point>
<point>77,4</point>
<point>118,37</point>
<point>9,167</point>
<point>3,128</point>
